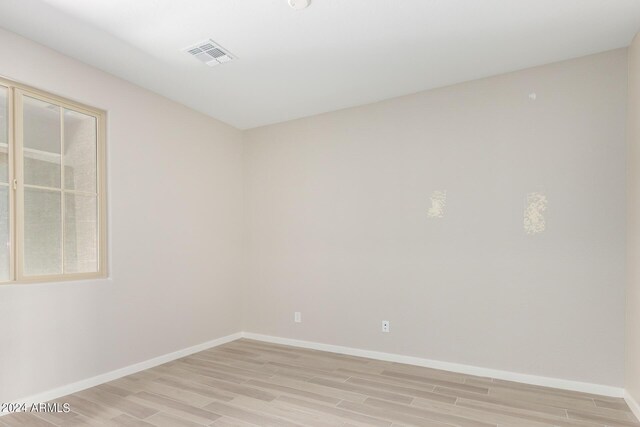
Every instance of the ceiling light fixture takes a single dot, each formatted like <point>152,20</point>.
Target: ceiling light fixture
<point>299,4</point>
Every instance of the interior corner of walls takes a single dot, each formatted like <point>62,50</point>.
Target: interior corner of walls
<point>634,404</point>
<point>632,315</point>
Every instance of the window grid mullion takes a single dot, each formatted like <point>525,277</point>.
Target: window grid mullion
<point>9,146</point>
<point>19,193</point>
<point>45,188</point>
<point>11,152</point>
<point>41,187</point>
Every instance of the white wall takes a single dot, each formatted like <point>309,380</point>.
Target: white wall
<point>632,373</point>
<point>175,208</point>
<point>337,224</point>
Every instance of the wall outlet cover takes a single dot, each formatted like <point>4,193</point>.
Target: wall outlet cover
<point>385,326</point>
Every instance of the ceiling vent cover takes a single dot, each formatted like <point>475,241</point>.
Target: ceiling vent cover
<point>209,52</point>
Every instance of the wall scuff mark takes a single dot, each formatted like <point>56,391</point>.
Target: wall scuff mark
<point>534,221</point>
<point>438,202</point>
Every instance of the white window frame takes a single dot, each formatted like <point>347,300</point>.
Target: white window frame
<point>15,93</point>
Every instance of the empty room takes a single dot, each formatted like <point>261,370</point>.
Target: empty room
<point>320,213</point>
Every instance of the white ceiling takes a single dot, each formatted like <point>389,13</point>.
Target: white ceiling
<point>335,54</point>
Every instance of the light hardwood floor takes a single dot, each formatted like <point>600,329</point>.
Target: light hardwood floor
<point>248,382</point>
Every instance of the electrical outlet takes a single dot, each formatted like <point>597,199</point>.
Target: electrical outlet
<point>297,317</point>
<point>385,326</point>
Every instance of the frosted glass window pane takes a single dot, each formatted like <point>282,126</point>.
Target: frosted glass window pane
<point>41,171</point>
<point>80,140</point>
<point>4,234</point>
<point>4,164</point>
<point>80,234</point>
<point>41,143</point>
<point>4,137</point>
<point>42,232</point>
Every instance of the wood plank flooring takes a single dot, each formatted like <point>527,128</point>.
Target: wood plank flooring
<point>251,383</point>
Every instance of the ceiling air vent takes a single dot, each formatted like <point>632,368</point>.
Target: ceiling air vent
<point>209,52</point>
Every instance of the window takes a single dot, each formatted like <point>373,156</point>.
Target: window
<point>52,187</point>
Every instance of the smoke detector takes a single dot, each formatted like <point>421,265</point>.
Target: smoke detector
<point>209,52</point>
<point>299,4</point>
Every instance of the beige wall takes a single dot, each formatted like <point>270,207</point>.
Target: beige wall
<point>337,223</point>
<point>175,208</point>
<point>632,374</point>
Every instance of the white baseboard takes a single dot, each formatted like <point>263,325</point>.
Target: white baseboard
<point>633,404</point>
<point>603,390</point>
<point>119,373</point>
<point>390,357</point>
